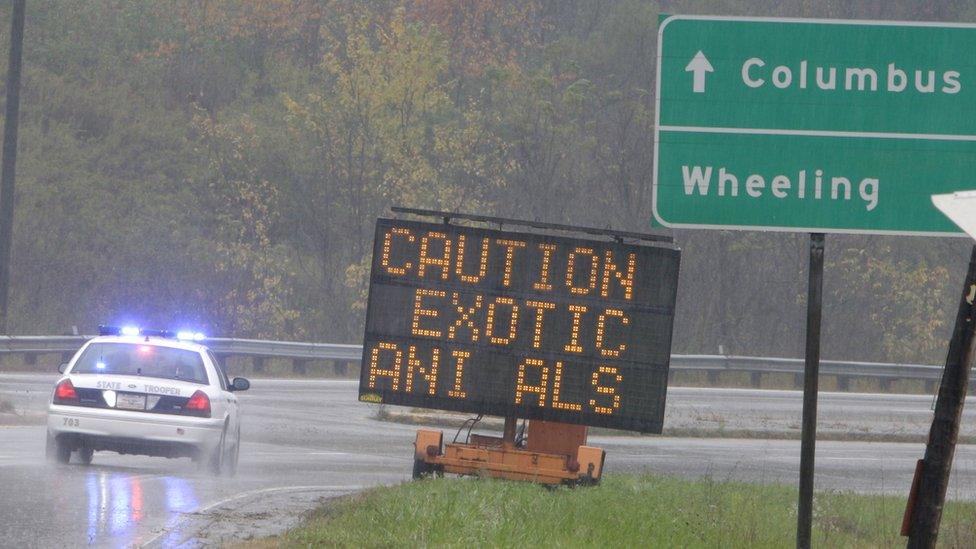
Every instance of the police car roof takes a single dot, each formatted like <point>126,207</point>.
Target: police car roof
<point>150,340</point>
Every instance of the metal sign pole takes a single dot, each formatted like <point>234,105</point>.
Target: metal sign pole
<point>927,511</point>
<point>810,387</point>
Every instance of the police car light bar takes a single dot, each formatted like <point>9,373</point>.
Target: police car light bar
<point>183,335</point>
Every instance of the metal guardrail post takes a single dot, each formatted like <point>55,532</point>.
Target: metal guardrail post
<point>300,366</point>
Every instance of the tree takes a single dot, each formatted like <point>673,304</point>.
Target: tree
<point>255,274</point>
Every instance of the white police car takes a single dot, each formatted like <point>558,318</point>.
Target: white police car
<point>146,392</point>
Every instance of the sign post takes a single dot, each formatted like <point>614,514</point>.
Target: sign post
<point>814,126</point>
<point>811,372</point>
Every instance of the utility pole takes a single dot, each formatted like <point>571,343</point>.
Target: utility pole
<point>926,510</point>
<point>8,170</point>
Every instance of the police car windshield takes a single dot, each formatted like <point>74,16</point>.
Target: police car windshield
<point>145,360</point>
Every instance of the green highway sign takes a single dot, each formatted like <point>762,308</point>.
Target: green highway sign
<point>813,125</point>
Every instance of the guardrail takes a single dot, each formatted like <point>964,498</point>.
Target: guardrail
<point>843,370</point>
<point>342,356</point>
<point>259,350</point>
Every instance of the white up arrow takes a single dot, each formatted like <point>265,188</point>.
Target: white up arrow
<point>699,65</point>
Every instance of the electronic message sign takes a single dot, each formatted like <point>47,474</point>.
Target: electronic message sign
<point>516,324</point>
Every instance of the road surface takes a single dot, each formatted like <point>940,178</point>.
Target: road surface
<point>305,440</point>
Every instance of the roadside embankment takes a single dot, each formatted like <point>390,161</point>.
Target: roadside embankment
<point>624,511</point>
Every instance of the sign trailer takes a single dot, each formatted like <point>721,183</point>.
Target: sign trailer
<point>566,332</point>
<point>817,126</point>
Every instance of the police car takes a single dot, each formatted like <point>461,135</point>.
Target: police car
<point>147,392</point>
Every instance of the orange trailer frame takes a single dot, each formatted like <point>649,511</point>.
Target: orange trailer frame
<point>556,453</point>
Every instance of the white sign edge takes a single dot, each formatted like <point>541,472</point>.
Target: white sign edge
<point>802,20</point>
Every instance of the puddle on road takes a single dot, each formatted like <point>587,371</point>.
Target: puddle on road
<point>117,503</point>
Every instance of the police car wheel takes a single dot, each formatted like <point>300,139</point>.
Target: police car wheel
<point>216,462</point>
<point>230,464</point>
<point>85,455</point>
<point>59,451</point>
<point>49,447</point>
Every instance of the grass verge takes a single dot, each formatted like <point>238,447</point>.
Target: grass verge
<point>624,511</point>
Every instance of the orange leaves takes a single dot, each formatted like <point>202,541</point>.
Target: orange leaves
<point>279,20</point>
<point>482,33</point>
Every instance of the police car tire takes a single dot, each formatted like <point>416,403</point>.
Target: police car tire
<point>216,461</point>
<point>230,464</point>
<point>62,452</point>
<point>85,455</point>
<point>50,448</point>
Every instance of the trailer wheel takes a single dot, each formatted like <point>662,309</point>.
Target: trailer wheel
<point>421,469</point>
<point>588,480</point>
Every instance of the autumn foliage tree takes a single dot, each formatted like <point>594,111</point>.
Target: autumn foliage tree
<point>221,163</point>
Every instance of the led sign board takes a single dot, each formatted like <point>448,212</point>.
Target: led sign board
<point>516,324</point>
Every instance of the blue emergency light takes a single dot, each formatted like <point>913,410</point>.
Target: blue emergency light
<point>182,335</point>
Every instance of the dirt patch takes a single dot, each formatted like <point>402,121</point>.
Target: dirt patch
<point>326,509</point>
<point>256,521</point>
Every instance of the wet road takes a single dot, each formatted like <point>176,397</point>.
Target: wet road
<point>306,440</point>
<point>301,441</point>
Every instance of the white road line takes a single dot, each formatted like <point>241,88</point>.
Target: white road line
<point>829,458</point>
<point>301,454</point>
<point>911,411</point>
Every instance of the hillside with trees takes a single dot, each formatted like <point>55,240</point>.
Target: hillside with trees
<point>220,163</point>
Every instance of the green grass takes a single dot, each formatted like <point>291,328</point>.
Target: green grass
<point>624,511</point>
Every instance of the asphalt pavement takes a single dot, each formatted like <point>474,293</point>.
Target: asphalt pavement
<point>308,440</point>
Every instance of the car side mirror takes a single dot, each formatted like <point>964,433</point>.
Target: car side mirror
<point>62,367</point>
<point>240,384</point>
